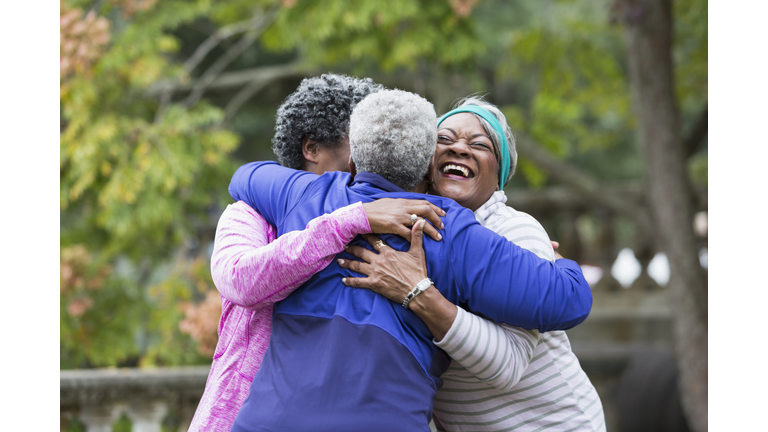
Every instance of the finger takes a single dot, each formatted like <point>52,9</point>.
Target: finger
<point>404,232</point>
<point>400,230</point>
<point>555,245</point>
<point>361,252</point>
<point>372,239</point>
<point>357,282</point>
<point>432,232</point>
<point>417,233</point>
<point>432,213</point>
<point>437,209</point>
<point>355,266</point>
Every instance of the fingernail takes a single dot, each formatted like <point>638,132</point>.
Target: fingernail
<point>421,225</point>
<point>442,225</point>
<point>344,281</point>
<point>439,237</point>
<point>340,261</point>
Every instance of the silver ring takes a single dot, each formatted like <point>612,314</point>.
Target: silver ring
<point>414,218</point>
<point>380,244</point>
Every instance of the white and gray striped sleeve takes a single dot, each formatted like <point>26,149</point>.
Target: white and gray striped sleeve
<point>499,354</point>
<point>494,354</point>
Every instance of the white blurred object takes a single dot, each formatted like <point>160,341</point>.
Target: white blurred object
<point>592,274</point>
<point>704,258</point>
<point>658,269</point>
<point>701,223</point>
<point>626,268</point>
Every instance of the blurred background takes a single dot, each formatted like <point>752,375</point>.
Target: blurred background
<point>162,100</point>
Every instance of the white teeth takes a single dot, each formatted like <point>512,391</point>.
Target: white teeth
<point>463,170</point>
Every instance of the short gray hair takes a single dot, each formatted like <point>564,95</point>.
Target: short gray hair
<point>491,108</point>
<point>320,108</point>
<point>392,133</point>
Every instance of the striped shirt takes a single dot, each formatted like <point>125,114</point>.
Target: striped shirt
<point>506,378</point>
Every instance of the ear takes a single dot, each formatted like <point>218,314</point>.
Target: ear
<point>309,149</point>
<point>352,167</point>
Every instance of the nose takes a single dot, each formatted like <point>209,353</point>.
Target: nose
<point>460,147</point>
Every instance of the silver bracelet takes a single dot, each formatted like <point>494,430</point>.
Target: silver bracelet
<point>418,289</point>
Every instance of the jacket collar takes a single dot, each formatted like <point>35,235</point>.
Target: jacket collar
<point>377,181</point>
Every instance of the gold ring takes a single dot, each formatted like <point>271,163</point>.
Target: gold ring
<point>414,218</point>
<point>380,244</point>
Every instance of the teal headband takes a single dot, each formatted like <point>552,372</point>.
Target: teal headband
<point>491,119</point>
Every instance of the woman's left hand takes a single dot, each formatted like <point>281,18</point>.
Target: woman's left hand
<point>391,273</point>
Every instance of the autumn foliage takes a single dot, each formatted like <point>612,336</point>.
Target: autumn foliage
<point>82,40</point>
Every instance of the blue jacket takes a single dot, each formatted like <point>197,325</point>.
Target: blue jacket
<point>348,359</point>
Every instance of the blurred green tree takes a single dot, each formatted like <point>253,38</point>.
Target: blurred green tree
<point>134,183</point>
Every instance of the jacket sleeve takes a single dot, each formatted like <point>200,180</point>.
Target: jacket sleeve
<point>269,188</point>
<point>252,269</point>
<point>511,285</point>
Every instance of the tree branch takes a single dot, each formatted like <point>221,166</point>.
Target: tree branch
<point>211,42</point>
<point>244,43</point>
<point>583,183</point>
<point>242,97</point>
<point>233,80</point>
<point>215,39</point>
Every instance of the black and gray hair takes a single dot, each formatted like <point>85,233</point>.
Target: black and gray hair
<point>491,108</point>
<point>392,133</point>
<point>321,108</point>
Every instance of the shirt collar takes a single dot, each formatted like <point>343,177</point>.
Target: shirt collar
<point>376,180</point>
<point>498,200</point>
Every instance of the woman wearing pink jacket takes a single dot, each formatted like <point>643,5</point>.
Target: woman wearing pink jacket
<point>252,269</point>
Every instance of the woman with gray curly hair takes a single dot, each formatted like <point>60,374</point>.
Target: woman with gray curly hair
<point>252,269</point>
<point>501,377</point>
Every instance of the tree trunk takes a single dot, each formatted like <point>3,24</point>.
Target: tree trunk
<point>648,37</point>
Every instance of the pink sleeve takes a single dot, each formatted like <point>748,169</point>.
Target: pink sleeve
<point>253,270</point>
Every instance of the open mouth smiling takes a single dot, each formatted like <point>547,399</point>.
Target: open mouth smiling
<point>456,170</point>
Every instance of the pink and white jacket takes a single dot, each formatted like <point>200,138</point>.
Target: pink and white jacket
<point>252,270</point>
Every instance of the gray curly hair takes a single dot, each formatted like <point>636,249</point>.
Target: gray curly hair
<point>320,107</point>
<point>392,133</point>
<point>478,100</point>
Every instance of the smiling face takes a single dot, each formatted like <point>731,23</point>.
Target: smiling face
<point>464,167</point>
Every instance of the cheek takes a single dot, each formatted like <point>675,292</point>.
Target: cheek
<point>342,164</point>
<point>342,159</point>
<point>490,174</point>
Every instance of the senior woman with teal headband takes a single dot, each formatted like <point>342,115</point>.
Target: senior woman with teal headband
<point>501,377</point>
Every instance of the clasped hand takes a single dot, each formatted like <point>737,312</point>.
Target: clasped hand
<point>390,273</point>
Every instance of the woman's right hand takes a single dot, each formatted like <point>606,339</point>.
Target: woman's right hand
<point>388,272</point>
<point>393,216</point>
<point>393,274</point>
